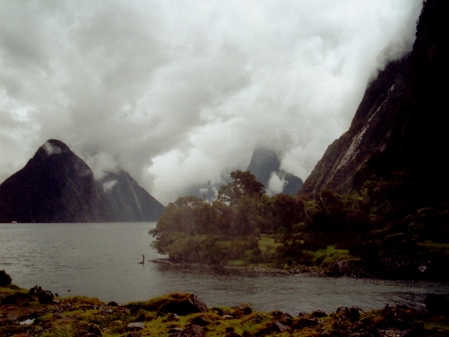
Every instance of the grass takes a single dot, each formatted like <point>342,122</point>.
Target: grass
<point>330,255</point>
<point>11,289</point>
<point>78,316</point>
<point>266,244</point>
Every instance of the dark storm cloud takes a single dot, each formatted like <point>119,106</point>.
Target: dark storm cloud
<point>179,92</point>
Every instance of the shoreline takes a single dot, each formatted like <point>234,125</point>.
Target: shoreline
<point>294,270</point>
<point>38,312</point>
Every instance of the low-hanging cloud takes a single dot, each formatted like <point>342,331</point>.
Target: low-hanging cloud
<point>177,93</point>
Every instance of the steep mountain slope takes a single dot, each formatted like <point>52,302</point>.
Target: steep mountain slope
<point>265,162</point>
<point>58,186</point>
<point>398,132</point>
<point>54,186</point>
<point>128,201</point>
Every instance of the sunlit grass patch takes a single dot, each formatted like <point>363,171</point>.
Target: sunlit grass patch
<point>12,289</point>
<point>330,255</point>
<point>267,243</point>
<point>253,322</point>
<point>66,329</point>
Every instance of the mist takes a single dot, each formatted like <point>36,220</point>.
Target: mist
<point>180,93</point>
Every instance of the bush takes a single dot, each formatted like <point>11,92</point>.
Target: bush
<point>5,279</point>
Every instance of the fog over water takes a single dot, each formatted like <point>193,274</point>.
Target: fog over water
<point>177,93</point>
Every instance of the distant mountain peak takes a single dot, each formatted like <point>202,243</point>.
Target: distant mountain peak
<point>54,146</point>
<point>58,186</point>
<point>265,165</point>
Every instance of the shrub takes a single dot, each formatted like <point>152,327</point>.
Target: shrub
<point>5,279</point>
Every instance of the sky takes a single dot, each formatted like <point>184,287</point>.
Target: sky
<point>179,93</point>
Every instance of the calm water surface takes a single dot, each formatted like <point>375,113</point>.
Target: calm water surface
<point>102,260</point>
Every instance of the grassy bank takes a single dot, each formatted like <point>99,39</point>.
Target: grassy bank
<point>30,313</point>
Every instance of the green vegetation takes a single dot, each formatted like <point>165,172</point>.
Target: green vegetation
<point>379,231</point>
<point>175,315</point>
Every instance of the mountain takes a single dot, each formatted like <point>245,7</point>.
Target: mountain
<point>265,162</point>
<point>54,186</point>
<point>128,201</point>
<point>398,135</point>
<point>380,191</point>
<point>58,186</point>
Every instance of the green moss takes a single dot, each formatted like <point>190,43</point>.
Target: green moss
<point>267,243</point>
<point>330,255</point>
<point>11,289</point>
<point>77,316</point>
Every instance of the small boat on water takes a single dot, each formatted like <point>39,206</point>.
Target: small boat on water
<point>13,222</point>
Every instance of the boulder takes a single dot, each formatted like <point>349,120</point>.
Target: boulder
<point>318,313</point>
<point>243,309</point>
<point>183,307</point>
<point>286,319</point>
<point>45,297</point>
<point>94,329</point>
<point>352,313</point>
<point>198,303</point>
<point>198,320</point>
<point>344,267</point>
<point>279,326</point>
<point>135,326</point>
<point>193,331</point>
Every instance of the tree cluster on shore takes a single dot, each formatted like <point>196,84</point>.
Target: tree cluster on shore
<point>378,231</point>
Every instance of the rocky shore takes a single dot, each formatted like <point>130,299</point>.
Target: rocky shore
<point>39,312</point>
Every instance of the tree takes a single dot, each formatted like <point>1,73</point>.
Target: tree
<point>287,211</point>
<point>244,184</point>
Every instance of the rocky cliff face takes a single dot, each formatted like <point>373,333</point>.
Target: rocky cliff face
<point>265,162</point>
<point>128,201</point>
<point>58,186</point>
<point>398,132</point>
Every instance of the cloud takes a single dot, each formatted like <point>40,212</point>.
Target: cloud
<point>275,184</point>
<point>51,149</point>
<point>177,93</point>
<point>102,163</point>
<point>107,186</point>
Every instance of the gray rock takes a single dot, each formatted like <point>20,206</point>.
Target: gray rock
<point>183,307</point>
<point>135,326</point>
<point>193,331</point>
<point>280,327</point>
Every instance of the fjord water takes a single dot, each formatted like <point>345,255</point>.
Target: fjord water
<point>102,260</point>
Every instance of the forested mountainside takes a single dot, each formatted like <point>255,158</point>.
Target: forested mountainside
<point>376,204</point>
<point>58,186</point>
